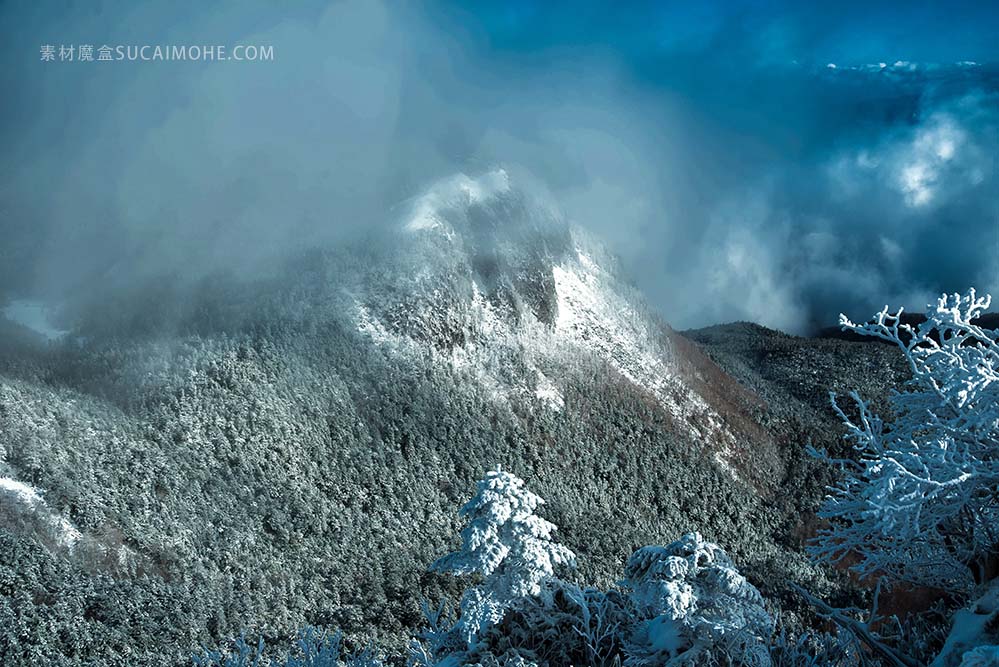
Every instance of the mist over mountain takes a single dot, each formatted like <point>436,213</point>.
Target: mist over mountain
<point>713,148</point>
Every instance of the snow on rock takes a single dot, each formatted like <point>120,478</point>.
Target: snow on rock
<point>370,325</point>
<point>594,316</point>
<point>425,214</point>
<point>693,600</point>
<point>974,637</point>
<point>25,499</point>
<point>983,656</point>
<point>547,392</point>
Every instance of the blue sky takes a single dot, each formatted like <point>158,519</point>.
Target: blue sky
<point>808,32</point>
<point>735,173</point>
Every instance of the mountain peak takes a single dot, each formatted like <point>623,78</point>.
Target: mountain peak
<point>495,281</point>
<point>458,190</point>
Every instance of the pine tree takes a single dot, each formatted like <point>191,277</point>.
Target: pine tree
<point>691,604</point>
<point>508,545</point>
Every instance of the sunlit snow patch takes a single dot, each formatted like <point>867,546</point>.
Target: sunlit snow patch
<point>547,392</point>
<point>477,190</point>
<point>592,315</point>
<point>29,498</point>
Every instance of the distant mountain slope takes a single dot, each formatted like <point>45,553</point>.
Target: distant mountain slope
<point>986,321</point>
<point>793,376</point>
<point>262,455</point>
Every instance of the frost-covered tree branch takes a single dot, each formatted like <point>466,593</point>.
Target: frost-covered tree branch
<point>921,502</point>
<point>861,630</point>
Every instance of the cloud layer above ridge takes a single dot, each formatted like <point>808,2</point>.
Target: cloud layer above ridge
<point>736,172</point>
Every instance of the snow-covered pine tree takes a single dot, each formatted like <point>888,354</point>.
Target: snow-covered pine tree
<point>508,544</point>
<point>921,502</point>
<point>694,608</point>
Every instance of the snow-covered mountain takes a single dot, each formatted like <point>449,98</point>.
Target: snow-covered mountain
<point>499,285</point>
<point>289,450</point>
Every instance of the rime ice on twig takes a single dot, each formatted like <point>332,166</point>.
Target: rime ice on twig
<point>921,502</point>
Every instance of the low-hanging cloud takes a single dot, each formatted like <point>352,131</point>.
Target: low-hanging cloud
<point>895,217</point>
<point>737,176</point>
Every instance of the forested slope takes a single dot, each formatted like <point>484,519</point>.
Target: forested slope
<point>259,455</point>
